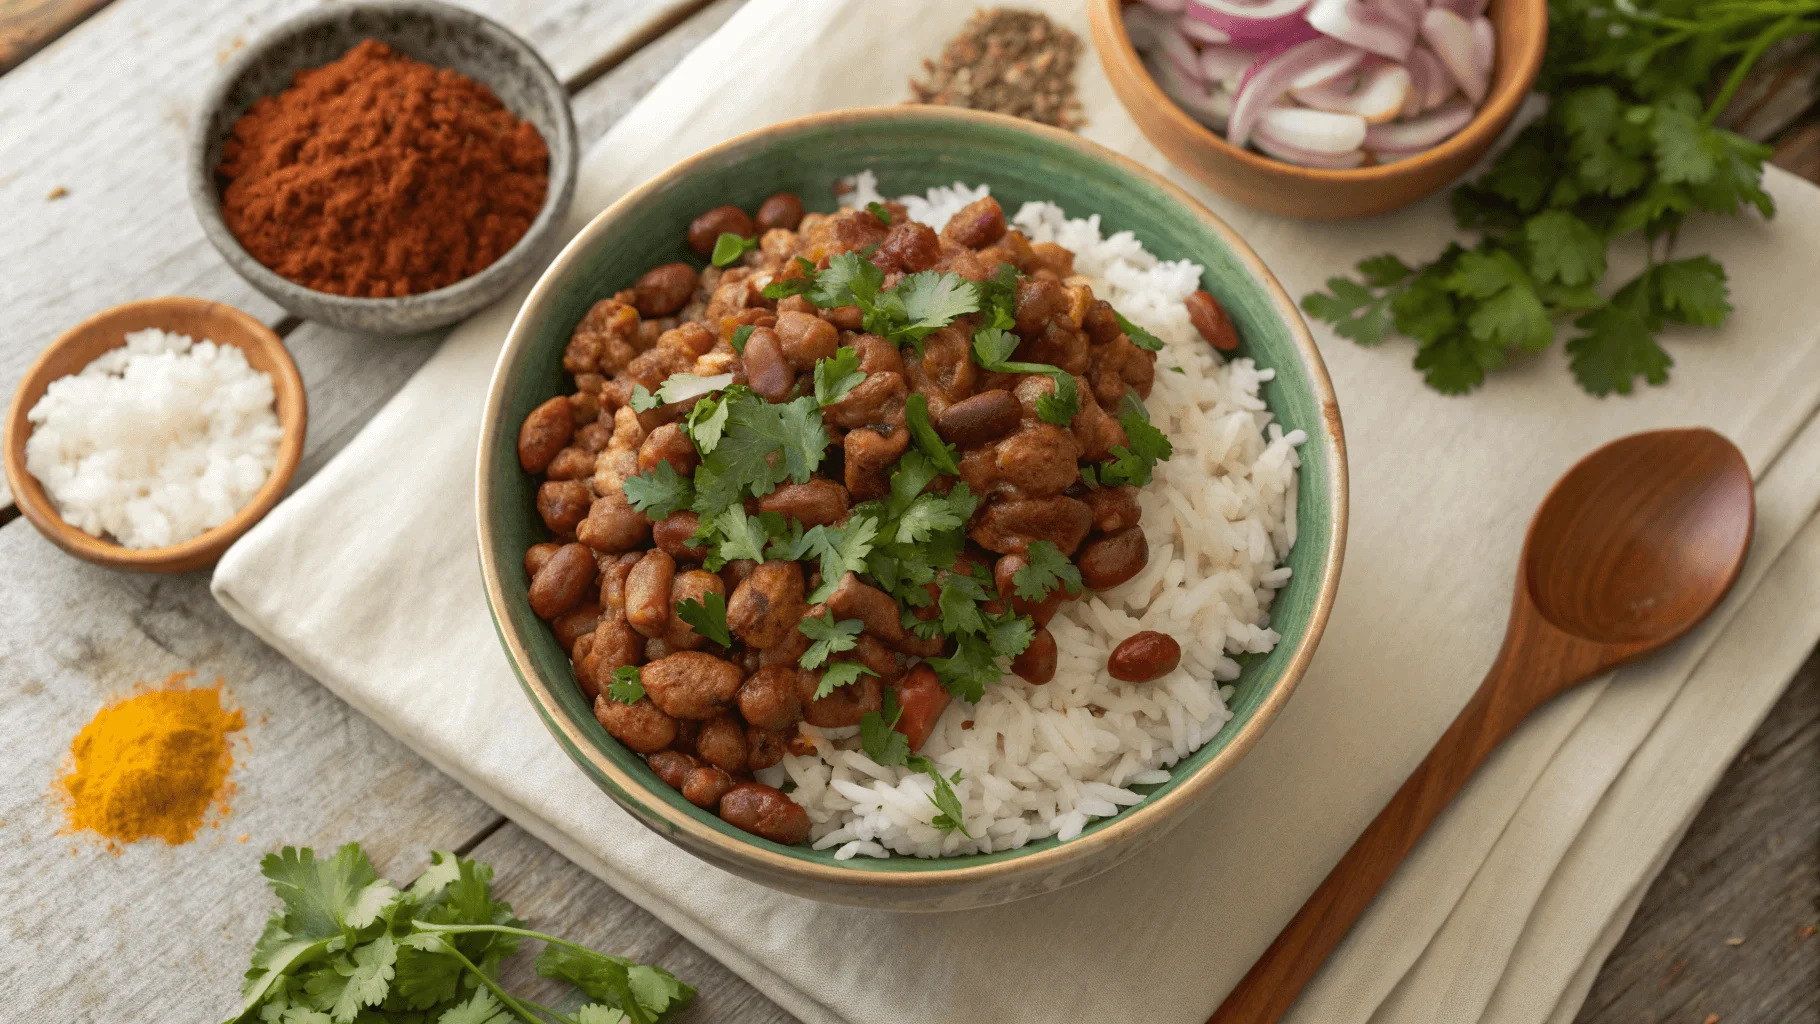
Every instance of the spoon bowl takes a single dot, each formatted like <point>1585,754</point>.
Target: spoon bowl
<point>1633,547</point>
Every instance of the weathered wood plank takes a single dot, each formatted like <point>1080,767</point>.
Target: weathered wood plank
<point>1748,870</point>
<point>26,26</point>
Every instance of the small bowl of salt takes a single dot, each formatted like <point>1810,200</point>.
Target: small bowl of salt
<point>152,435</point>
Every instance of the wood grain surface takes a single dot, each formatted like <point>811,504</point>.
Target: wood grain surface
<point>97,117</point>
<point>26,26</point>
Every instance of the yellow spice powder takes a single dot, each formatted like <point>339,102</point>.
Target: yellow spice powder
<point>152,765</point>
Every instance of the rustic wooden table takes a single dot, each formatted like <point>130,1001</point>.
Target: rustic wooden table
<point>95,111</point>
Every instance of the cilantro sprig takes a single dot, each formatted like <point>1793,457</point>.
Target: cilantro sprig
<point>346,945</point>
<point>628,686</point>
<point>1047,571</point>
<point>729,247</point>
<point>707,617</point>
<point>992,349</point>
<point>906,313</point>
<point>879,738</point>
<point>1627,148</point>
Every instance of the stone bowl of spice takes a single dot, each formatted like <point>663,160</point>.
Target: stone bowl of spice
<point>152,435</point>
<point>385,168</point>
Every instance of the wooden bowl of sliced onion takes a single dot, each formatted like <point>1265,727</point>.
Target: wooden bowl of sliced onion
<point>1322,109</point>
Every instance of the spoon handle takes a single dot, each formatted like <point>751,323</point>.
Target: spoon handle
<point>1273,983</point>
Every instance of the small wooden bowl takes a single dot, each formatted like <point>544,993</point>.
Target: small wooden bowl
<point>1277,187</point>
<point>80,345</point>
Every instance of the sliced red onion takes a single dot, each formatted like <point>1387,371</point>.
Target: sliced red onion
<point>1378,95</point>
<point>1484,45</point>
<point>1200,32</point>
<point>1226,65</point>
<point>1254,25</point>
<point>1146,27</point>
<point>1300,33</point>
<point>1166,6</point>
<point>1306,158</point>
<point>1451,37</point>
<point>1180,52</point>
<point>1330,69</point>
<point>1314,131</point>
<point>1418,84</point>
<point>1368,27</point>
<point>1422,132</point>
<point>1211,107</point>
<point>1267,82</point>
<point>1427,71</point>
<point>1464,8</point>
<point>1407,13</point>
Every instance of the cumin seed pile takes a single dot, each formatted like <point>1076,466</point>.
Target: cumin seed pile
<point>1010,62</point>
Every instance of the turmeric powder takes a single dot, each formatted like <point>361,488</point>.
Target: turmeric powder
<point>152,765</point>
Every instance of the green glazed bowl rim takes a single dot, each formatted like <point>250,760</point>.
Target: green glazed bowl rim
<point>758,858</point>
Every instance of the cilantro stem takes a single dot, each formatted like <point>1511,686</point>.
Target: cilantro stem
<point>505,999</point>
<point>462,929</point>
<point>1788,26</point>
<point>561,1017</point>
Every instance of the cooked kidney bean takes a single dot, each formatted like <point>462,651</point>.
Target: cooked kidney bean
<point>985,417</point>
<point>841,708</point>
<point>923,698</point>
<point>672,533</point>
<point>545,432</point>
<point>816,503</point>
<point>692,585</point>
<point>706,229</point>
<point>976,225</point>
<point>1009,527</point>
<point>690,684</point>
<point>537,555</point>
<point>767,371</point>
<point>1210,319</point>
<point>572,463</point>
<point>585,665</point>
<point>616,644</point>
<point>613,525</point>
<point>765,747</point>
<point>640,726</point>
<point>847,318</point>
<point>1110,559</point>
<point>768,698</point>
<point>875,656</point>
<point>909,247</point>
<point>868,455</point>
<point>1053,258</point>
<point>878,613</point>
<point>705,785</point>
<point>563,504</point>
<point>795,642</point>
<point>765,812</point>
<point>686,731</point>
<point>572,625</point>
<point>584,406</point>
<point>735,572</point>
<point>668,443</point>
<point>613,572</point>
<point>782,210</point>
<point>722,743</point>
<point>663,290</point>
<point>671,766</point>
<point>1144,656</point>
<point>1038,459</point>
<point>1004,572</point>
<point>1114,508</point>
<point>1037,662</point>
<point>767,606</point>
<point>563,580</point>
<point>805,338</point>
<point>648,593</point>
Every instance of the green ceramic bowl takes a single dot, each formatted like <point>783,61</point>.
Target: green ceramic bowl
<point>910,148</point>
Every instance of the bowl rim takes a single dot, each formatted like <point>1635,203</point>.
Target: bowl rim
<point>565,156</point>
<point>1155,811</point>
<point>1491,117</point>
<point>292,408</point>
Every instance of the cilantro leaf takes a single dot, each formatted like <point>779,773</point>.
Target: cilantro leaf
<point>642,400</point>
<point>708,617</point>
<point>950,815</point>
<point>910,478</point>
<point>878,210</point>
<point>1619,344</point>
<point>729,247</point>
<point>708,419</point>
<point>849,280</point>
<point>659,492</point>
<point>840,550</point>
<point>762,444</point>
<point>922,432</point>
<point>992,346</point>
<point>1141,338</point>
<point>828,636</point>
<point>970,669</point>
<point>641,992</point>
<point>1692,291</point>
<point>837,375</point>
<point>740,334</point>
<point>959,604</point>
<point>927,301</point>
<point>742,536</point>
<point>481,1008</point>
<point>1047,569</point>
<point>878,735</point>
<point>840,674</point>
<point>1352,309</point>
<point>927,516</point>
<point>1564,248</point>
<point>1509,312</point>
<point>600,1013</point>
<point>627,687</point>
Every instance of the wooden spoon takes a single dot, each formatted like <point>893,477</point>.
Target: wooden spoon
<point>1631,549</point>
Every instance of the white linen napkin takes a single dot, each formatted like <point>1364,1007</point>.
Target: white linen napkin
<point>367,578</point>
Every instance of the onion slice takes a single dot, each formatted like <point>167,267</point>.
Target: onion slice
<point>1270,79</point>
<point>1427,70</point>
<point>1255,25</point>
<point>1368,27</point>
<point>1484,45</point>
<point>1451,37</point>
<point>1225,65</point>
<point>1379,95</point>
<point>1176,48</point>
<point>1306,158</point>
<point>1420,133</point>
<point>1330,69</point>
<point>1211,107</point>
<point>1314,131</point>
<point>1200,32</point>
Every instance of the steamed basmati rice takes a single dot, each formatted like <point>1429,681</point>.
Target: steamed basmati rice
<point>1048,760</point>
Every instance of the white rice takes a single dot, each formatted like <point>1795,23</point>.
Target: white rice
<point>155,442</point>
<point>1047,760</point>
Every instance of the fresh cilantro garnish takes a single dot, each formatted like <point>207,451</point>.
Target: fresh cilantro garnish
<point>740,334</point>
<point>708,617</point>
<point>345,945</point>
<point>643,400</point>
<point>1141,338</point>
<point>906,313</point>
<point>762,444</point>
<point>959,604</point>
<point>878,210</point>
<point>879,738</point>
<point>992,349</point>
<point>1133,462</point>
<point>922,432</point>
<point>976,662</point>
<point>730,247</point>
<point>799,285</point>
<point>928,515</point>
<point>1047,570</point>
<point>708,418</point>
<point>840,550</point>
<point>1177,369</point>
<point>829,636</point>
<point>1627,147</point>
<point>837,375</point>
<point>998,298</point>
<point>743,536</point>
<point>659,492</point>
<point>626,687</point>
<point>925,302</point>
<point>839,674</point>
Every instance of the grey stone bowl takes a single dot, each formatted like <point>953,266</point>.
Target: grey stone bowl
<point>435,34</point>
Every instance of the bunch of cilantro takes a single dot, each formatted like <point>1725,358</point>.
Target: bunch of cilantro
<point>347,947</point>
<point>1627,148</point>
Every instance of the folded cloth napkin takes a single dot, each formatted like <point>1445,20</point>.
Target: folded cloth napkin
<point>367,578</point>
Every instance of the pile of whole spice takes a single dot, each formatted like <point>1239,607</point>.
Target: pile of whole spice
<point>1010,62</point>
<point>152,765</point>
<point>379,176</point>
